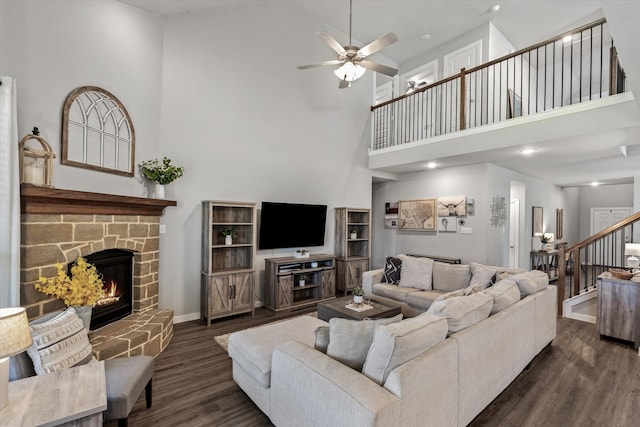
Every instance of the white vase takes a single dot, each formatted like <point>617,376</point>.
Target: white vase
<point>228,239</point>
<point>158,191</point>
<point>354,235</point>
<point>84,313</point>
<point>301,282</point>
<point>358,299</point>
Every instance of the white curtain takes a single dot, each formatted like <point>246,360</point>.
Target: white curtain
<point>9,196</point>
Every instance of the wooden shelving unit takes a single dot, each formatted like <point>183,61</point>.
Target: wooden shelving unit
<point>228,274</point>
<point>281,284</point>
<point>353,254</point>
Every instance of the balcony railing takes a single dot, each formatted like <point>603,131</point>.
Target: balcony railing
<point>578,66</point>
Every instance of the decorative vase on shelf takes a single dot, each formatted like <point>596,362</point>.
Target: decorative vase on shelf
<point>301,282</point>
<point>354,235</point>
<point>358,299</point>
<point>158,191</point>
<point>84,313</point>
<point>228,239</point>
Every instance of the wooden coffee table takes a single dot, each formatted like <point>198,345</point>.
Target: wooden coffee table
<point>337,308</point>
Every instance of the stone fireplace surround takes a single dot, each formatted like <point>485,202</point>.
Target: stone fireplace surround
<point>61,225</point>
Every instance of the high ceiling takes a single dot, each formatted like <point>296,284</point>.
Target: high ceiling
<point>567,161</point>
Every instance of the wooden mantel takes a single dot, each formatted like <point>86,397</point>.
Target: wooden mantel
<point>45,200</point>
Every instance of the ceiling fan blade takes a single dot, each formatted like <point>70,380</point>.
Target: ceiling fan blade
<point>376,45</point>
<point>344,84</point>
<point>333,44</point>
<point>379,68</point>
<point>321,64</point>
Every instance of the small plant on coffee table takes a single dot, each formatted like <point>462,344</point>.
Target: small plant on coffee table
<point>358,291</point>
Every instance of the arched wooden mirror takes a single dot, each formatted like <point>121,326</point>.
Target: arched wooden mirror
<point>97,132</point>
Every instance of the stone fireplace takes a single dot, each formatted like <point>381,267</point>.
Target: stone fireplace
<point>58,226</point>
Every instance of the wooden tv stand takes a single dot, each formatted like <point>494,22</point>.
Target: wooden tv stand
<point>281,284</point>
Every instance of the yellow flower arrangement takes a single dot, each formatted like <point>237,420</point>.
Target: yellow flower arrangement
<point>84,287</point>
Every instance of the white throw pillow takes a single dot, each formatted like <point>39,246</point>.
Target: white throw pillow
<point>400,342</point>
<point>416,272</point>
<point>530,282</point>
<point>59,343</point>
<point>481,274</point>
<point>462,312</point>
<point>349,340</point>
<point>504,293</point>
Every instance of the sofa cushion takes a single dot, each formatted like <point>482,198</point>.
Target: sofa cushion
<point>504,294</point>
<point>392,270</point>
<point>322,338</point>
<point>422,300</point>
<point>450,277</point>
<point>394,292</point>
<point>416,272</point>
<point>452,294</point>
<point>349,340</point>
<point>59,343</point>
<point>530,282</point>
<point>400,342</point>
<point>482,274</point>
<point>462,312</point>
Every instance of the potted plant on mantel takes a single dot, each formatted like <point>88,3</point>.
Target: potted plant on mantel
<point>81,291</point>
<point>160,172</point>
<point>229,234</point>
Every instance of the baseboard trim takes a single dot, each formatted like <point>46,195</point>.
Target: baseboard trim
<point>186,318</point>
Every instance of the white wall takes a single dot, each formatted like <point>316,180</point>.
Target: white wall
<point>218,92</point>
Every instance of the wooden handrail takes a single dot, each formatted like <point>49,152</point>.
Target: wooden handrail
<point>491,63</point>
<point>574,252</point>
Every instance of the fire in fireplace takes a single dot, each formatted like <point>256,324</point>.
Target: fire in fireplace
<point>116,268</point>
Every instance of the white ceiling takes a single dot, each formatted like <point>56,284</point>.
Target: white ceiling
<point>568,160</point>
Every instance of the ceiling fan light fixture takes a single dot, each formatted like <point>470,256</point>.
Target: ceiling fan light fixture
<point>350,71</point>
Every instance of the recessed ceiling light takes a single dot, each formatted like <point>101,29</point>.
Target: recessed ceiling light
<point>495,8</point>
<point>528,151</point>
<point>567,39</point>
<point>595,183</point>
<point>425,37</point>
<point>431,165</point>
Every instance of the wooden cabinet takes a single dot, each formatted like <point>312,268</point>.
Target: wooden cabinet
<point>227,270</point>
<point>282,282</point>
<point>353,251</point>
<point>619,308</point>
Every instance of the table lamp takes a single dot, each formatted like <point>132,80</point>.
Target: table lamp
<point>632,250</point>
<point>15,337</point>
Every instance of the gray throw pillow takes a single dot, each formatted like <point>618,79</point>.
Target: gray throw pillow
<point>482,274</point>
<point>349,340</point>
<point>504,293</point>
<point>416,273</point>
<point>450,277</point>
<point>462,312</point>
<point>530,282</point>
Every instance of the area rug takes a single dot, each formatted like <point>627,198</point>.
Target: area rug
<point>223,340</point>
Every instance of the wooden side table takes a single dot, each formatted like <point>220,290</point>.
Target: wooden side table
<point>70,397</point>
<point>546,261</point>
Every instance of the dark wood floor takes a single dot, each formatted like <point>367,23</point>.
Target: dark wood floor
<point>579,380</point>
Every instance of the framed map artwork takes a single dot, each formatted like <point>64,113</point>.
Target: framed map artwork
<point>417,215</point>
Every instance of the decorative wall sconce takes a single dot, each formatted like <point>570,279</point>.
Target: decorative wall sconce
<point>36,165</point>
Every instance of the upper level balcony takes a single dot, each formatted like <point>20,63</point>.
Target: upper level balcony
<point>557,88</point>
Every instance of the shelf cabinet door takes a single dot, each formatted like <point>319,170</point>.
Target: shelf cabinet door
<point>285,290</point>
<point>329,283</point>
<point>220,301</point>
<point>354,272</point>
<point>242,291</point>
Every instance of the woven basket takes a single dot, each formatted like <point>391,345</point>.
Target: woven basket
<point>619,273</point>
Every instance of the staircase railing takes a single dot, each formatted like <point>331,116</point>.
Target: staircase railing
<point>580,264</point>
<point>574,67</point>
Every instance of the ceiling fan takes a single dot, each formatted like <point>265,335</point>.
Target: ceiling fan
<point>352,59</point>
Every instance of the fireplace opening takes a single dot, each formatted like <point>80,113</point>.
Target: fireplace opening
<point>116,268</point>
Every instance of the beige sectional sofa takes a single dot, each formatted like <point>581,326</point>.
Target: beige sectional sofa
<point>435,369</point>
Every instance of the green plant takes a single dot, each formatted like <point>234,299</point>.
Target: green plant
<point>161,172</point>
<point>358,291</point>
<point>354,231</point>
<point>302,277</point>
<point>229,232</point>
<point>545,239</point>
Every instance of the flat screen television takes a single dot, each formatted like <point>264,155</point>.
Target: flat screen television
<point>291,225</point>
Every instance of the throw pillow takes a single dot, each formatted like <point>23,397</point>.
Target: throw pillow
<point>462,312</point>
<point>59,343</point>
<point>450,277</point>
<point>452,294</point>
<point>504,293</point>
<point>416,273</point>
<point>400,342</point>
<point>349,340</point>
<point>530,282</point>
<point>322,338</point>
<point>481,274</point>
<point>392,270</point>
